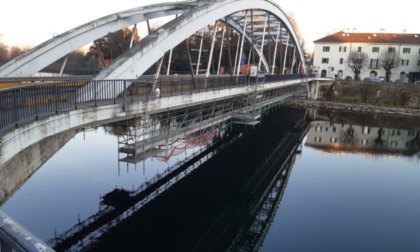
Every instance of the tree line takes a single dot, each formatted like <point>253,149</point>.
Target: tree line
<point>388,59</point>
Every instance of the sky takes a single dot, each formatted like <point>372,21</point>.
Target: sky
<point>27,23</point>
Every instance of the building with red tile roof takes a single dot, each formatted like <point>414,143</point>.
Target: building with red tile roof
<point>331,54</point>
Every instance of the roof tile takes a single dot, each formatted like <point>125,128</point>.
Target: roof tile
<point>377,38</point>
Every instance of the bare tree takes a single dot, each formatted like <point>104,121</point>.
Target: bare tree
<point>15,51</point>
<point>388,60</point>
<point>4,55</point>
<point>298,32</point>
<point>113,44</point>
<point>357,61</point>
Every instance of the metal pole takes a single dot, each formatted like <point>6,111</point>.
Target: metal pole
<point>285,54</point>
<point>299,65</point>
<point>252,35</point>
<point>64,65</point>
<point>159,67</point>
<point>249,54</point>
<point>148,26</point>
<point>170,57</point>
<point>275,48</point>
<point>132,35</point>
<point>293,59</point>
<point>242,43</point>
<point>231,71</point>
<point>269,44</point>
<point>157,75</point>
<point>221,50</point>
<point>199,53</point>
<point>169,62</point>
<point>262,42</point>
<point>211,49</point>
<point>236,55</point>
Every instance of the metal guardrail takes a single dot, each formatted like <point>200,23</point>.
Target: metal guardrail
<point>14,237</point>
<point>27,103</point>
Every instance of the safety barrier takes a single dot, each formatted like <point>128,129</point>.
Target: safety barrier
<point>27,103</point>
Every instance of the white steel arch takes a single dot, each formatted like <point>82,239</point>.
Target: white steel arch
<point>143,55</point>
<point>134,62</point>
<point>53,49</point>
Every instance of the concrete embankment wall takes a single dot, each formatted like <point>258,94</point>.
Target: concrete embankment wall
<point>382,104</point>
<point>375,94</point>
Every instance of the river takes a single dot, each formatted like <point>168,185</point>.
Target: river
<point>351,185</point>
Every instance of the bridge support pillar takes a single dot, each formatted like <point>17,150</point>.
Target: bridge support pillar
<point>313,87</point>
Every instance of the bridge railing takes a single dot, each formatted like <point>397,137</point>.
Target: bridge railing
<point>27,103</point>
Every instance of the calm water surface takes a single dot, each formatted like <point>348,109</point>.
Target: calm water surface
<point>348,202</point>
<point>342,194</point>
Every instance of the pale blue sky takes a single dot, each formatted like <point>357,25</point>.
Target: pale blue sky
<point>29,22</point>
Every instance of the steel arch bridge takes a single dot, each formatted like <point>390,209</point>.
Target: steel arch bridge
<point>258,23</point>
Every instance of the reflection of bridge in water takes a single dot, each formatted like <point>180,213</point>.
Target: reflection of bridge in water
<point>251,192</point>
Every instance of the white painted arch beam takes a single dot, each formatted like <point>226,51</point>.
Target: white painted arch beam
<point>143,55</point>
<point>51,50</point>
<point>196,14</point>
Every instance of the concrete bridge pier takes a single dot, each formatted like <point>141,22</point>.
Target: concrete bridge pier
<point>313,87</point>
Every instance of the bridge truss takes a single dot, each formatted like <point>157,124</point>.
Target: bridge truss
<point>254,32</point>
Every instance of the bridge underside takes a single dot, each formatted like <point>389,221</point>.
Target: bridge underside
<point>215,35</point>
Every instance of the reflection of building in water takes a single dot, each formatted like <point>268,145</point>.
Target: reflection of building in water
<point>334,137</point>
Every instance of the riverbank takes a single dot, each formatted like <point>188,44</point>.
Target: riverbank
<point>365,108</point>
<point>374,116</point>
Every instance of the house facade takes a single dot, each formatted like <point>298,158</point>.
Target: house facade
<point>331,54</point>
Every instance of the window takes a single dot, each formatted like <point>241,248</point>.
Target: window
<point>325,60</point>
<point>342,49</point>
<point>404,62</point>
<point>375,49</point>
<point>418,63</point>
<point>374,63</point>
<point>359,49</point>
<point>333,140</point>
<point>365,141</point>
<point>342,61</point>
<point>406,50</point>
<point>395,132</point>
<point>366,130</point>
<point>391,49</point>
<point>326,49</point>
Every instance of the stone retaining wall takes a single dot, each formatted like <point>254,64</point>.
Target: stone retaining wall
<point>367,108</point>
<point>377,94</point>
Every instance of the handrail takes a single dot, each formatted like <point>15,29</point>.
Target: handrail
<point>22,104</point>
<point>14,237</point>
